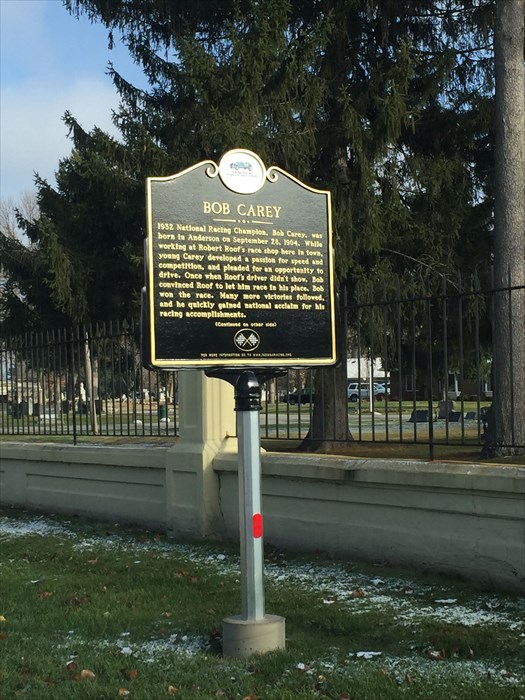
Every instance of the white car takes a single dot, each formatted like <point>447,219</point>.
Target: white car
<point>359,391</point>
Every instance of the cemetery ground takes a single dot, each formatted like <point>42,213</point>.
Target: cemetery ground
<point>101,611</point>
<point>375,433</point>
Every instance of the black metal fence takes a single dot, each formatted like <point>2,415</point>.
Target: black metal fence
<point>84,381</point>
<point>419,370</point>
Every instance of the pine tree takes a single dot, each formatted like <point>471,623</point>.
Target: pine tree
<point>357,97</point>
<point>375,100</point>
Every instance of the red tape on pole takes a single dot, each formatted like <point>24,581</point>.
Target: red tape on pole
<point>257,525</point>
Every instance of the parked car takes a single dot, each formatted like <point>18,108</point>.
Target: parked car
<point>382,387</point>
<point>361,391</point>
<point>295,397</point>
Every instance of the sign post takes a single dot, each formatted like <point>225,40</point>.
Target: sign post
<point>248,405</point>
<point>240,284</point>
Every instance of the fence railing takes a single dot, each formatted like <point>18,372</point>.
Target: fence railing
<point>419,370</point>
<point>84,381</point>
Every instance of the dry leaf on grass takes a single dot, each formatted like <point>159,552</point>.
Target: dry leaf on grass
<point>435,654</point>
<point>77,600</point>
<point>87,673</point>
<point>172,689</point>
<point>123,693</point>
<point>130,673</point>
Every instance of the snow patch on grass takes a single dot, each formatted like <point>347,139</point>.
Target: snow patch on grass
<point>407,601</point>
<point>147,651</point>
<point>408,670</point>
<point>176,643</point>
<point>35,526</point>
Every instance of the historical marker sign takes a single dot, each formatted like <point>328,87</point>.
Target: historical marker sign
<point>239,268</point>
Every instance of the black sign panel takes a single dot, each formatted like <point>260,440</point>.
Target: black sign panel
<point>239,268</point>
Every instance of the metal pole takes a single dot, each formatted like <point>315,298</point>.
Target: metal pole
<point>248,405</point>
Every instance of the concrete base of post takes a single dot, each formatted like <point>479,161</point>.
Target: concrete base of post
<point>242,638</point>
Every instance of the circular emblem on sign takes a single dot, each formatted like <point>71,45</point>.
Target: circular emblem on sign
<point>246,339</point>
<point>242,171</point>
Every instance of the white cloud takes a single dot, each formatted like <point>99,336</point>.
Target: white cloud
<point>50,63</point>
<point>33,135</point>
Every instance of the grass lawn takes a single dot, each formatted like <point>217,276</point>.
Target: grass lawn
<point>96,611</point>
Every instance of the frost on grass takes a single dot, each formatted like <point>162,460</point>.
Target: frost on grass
<point>176,643</point>
<point>11,527</point>
<point>409,603</point>
<point>335,584</point>
<point>148,651</point>
<point>151,650</point>
<point>37,525</point>
<point>403,599</point>
<point>462,615</point>
<point>411,670</point>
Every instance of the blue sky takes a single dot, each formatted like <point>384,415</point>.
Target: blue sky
<point>50,62</point>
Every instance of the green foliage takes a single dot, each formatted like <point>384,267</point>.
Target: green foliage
<point>25,298</point>
<point>376,100</point>
<point>359,97</point>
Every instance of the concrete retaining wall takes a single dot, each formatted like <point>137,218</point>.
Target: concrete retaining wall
<point>463,519</point>
<point>118,484</point>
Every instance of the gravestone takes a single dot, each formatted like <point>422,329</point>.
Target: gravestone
<point>419,416</point>
<point>445,407</point>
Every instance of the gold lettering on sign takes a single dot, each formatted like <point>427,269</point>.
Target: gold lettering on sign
<point>229,270</point>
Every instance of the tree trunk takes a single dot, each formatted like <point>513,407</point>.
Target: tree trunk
<point>506,433</point>
<point>90,394</point>
<point>329,426</point>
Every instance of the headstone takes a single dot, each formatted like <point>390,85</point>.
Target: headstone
<point>454,416</point>
<point>23,408</point>
<point>419,416</point>
<point>445,407</point>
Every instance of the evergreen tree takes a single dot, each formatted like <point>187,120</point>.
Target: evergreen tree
<point>85,251</point>
<point>383,103</point>
<point>342,93</point>
<point>25,298</point>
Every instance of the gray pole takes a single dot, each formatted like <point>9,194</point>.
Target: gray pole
<point>251,632</point>
<point>248,405</point>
